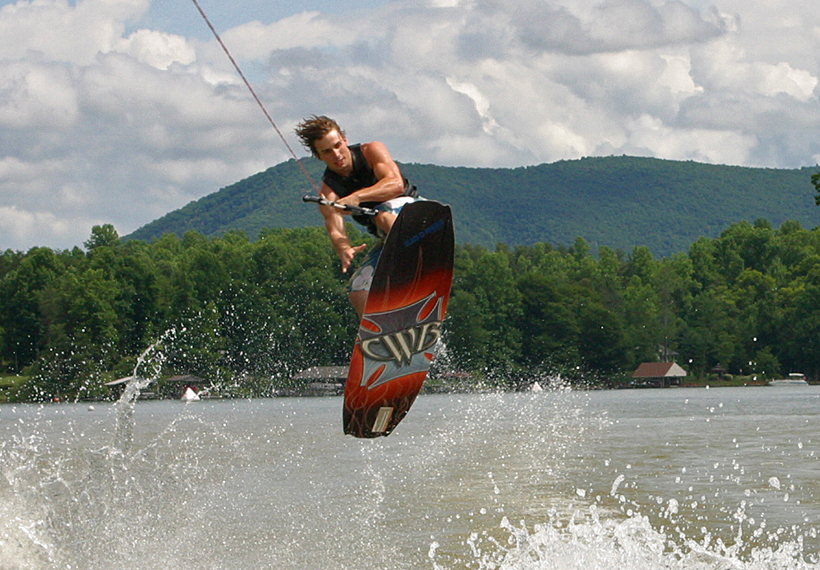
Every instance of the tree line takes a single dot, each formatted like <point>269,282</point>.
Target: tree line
<point>248,315</point>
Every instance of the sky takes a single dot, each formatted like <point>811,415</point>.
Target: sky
<point>120,111</point>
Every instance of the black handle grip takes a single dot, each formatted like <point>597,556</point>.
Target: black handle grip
<point>325,202</point>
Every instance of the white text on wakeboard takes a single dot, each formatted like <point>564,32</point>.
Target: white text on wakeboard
<point>403,351</point>
<point>402,345</point>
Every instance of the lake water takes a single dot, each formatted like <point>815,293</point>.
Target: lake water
<point>638,479</point>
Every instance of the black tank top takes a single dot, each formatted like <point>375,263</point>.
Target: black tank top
<point>362,176</point>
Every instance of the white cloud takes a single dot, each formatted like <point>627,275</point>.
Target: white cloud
<point>255,40</point>
<point>714,146</point>
<point>36,95</point>
<point>104,119</point>
<point>60,31</point>
<point>782,78</point>
<point>182,172</point>
<point>157,49</point>
<point>677,76</point>
<point>482,104</point>
<point>725,67</point>
<point>30,228</point>
<point>13,169</point>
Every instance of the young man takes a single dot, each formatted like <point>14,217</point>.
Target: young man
<point>356,175</point>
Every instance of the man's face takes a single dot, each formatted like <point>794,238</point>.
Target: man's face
<point>334,152</point>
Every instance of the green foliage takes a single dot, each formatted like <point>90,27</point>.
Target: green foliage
<point>102,236</point>
<point>815,179</point>
<point>485,309</point>
<point>10,388</point>
<point>247,315</point>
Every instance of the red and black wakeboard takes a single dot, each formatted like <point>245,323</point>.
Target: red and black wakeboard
<point>402,320</point>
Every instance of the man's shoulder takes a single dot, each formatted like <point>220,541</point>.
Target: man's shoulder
<point>375,151</point>
<point>372,145</point>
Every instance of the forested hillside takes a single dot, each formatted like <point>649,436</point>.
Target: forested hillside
<point>246,315</point>
<point>619,202</point>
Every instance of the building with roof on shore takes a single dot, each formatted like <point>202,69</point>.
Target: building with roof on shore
<point>321,380</point>
<point>658,375</point>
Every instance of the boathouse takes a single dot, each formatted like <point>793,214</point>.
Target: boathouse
<point>658,374</point>
<point>322,380</point>
<point>183,383</point>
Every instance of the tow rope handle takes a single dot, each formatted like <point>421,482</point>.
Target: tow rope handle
<point>354,209</point>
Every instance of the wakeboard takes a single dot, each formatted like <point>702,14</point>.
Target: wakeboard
<point>402,320</point>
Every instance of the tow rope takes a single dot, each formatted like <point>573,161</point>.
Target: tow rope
<point>255,96</point>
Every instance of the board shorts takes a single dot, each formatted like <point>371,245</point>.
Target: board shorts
<point>362,278</point>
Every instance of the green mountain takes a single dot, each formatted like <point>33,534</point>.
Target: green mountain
<point>621,202</point>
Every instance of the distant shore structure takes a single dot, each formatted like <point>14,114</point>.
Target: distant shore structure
<point>794,379</point>
<point>658,374</point>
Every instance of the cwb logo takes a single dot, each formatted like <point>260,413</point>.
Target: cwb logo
<point>402,345</point>
<point>406,349</point>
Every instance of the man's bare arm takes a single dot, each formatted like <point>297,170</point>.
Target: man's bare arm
<point>335,225</point>
<point>390,181</point>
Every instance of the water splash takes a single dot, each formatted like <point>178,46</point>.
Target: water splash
<point>527,481</point>
<point>610,512</point>
<point>590,541</point>
<point>65,503</point>
<point>148,369</point>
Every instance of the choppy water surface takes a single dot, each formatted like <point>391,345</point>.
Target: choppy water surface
<point>643,479</point>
